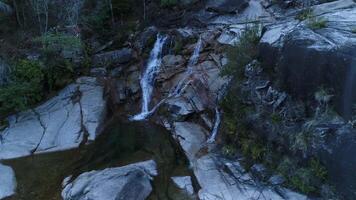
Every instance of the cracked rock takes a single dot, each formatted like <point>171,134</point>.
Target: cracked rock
<point>61,123</point>
<point>131,182</point>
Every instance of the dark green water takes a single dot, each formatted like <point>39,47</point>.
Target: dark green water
<point>39,177</point>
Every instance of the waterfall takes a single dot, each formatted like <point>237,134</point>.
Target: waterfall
<point>192,61</point>
<point>148,78</point>
<point>215,130</point>
<point>349,94</point>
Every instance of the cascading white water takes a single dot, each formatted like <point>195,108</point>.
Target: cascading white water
<point>192,61</point>
<point>215,130</point>
<point>148,78</point>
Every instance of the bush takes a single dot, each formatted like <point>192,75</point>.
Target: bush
<point>317,23</point>
<point>318,169</point>
<point>58,42</point>
<point>168,3</point>
<point>25,89</point>
<point>27,71</point>
<point>307,179</point>
<point>243,52</point>
<point>305,14</point>
<point>303,180</point>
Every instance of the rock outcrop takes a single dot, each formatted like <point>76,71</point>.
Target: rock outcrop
<point>307,57</point>
<point>184,183</point>
<point>67,120</point>
<point>233,182</point>
<point>113,57</point>
<point>131,182</point>
<point>8,181</point>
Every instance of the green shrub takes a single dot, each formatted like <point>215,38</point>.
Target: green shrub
<point>243,52</point>
<point>286,167</point>
<point>353,30</point>
<point>178,46</point>
<point>318,169</point>
<point>253,149</point>
<point>167,3</point>
<point>27,71</point>
<point>305,14</point>
<point>228,150</point>
<point>276,118</point>
<point>307,179</point>
<point>25,89</point>
<point>58,69</point>
<point>57,42</point>
<point>317,23</point>
<point>303,181</point>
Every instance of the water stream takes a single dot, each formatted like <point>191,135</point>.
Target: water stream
<point>215,130</point>
<point>39,177</point>
<point>182,84</point>
<point>148,78</point>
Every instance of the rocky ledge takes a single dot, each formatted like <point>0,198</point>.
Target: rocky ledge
<point>67,120</point>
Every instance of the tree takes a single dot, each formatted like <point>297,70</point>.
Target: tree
<point>40,8</point>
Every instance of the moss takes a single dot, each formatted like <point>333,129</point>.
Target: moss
<point>316,23</point>
<point>178,47</point>
<point>305,14</point>
<point>353,30</point>
<point>276,118</point>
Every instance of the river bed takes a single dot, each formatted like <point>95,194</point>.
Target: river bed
<point>39,177</point>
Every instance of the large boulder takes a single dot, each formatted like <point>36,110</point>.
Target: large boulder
<point>113,57</point>
<point>184,183</point>
<point>63,122</point>
<point>7,180</point>
<point>131,182</point>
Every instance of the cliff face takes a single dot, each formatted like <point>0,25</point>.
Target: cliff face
<point>258,94</point>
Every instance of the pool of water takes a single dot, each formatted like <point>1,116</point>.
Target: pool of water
<point>39,177</point>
